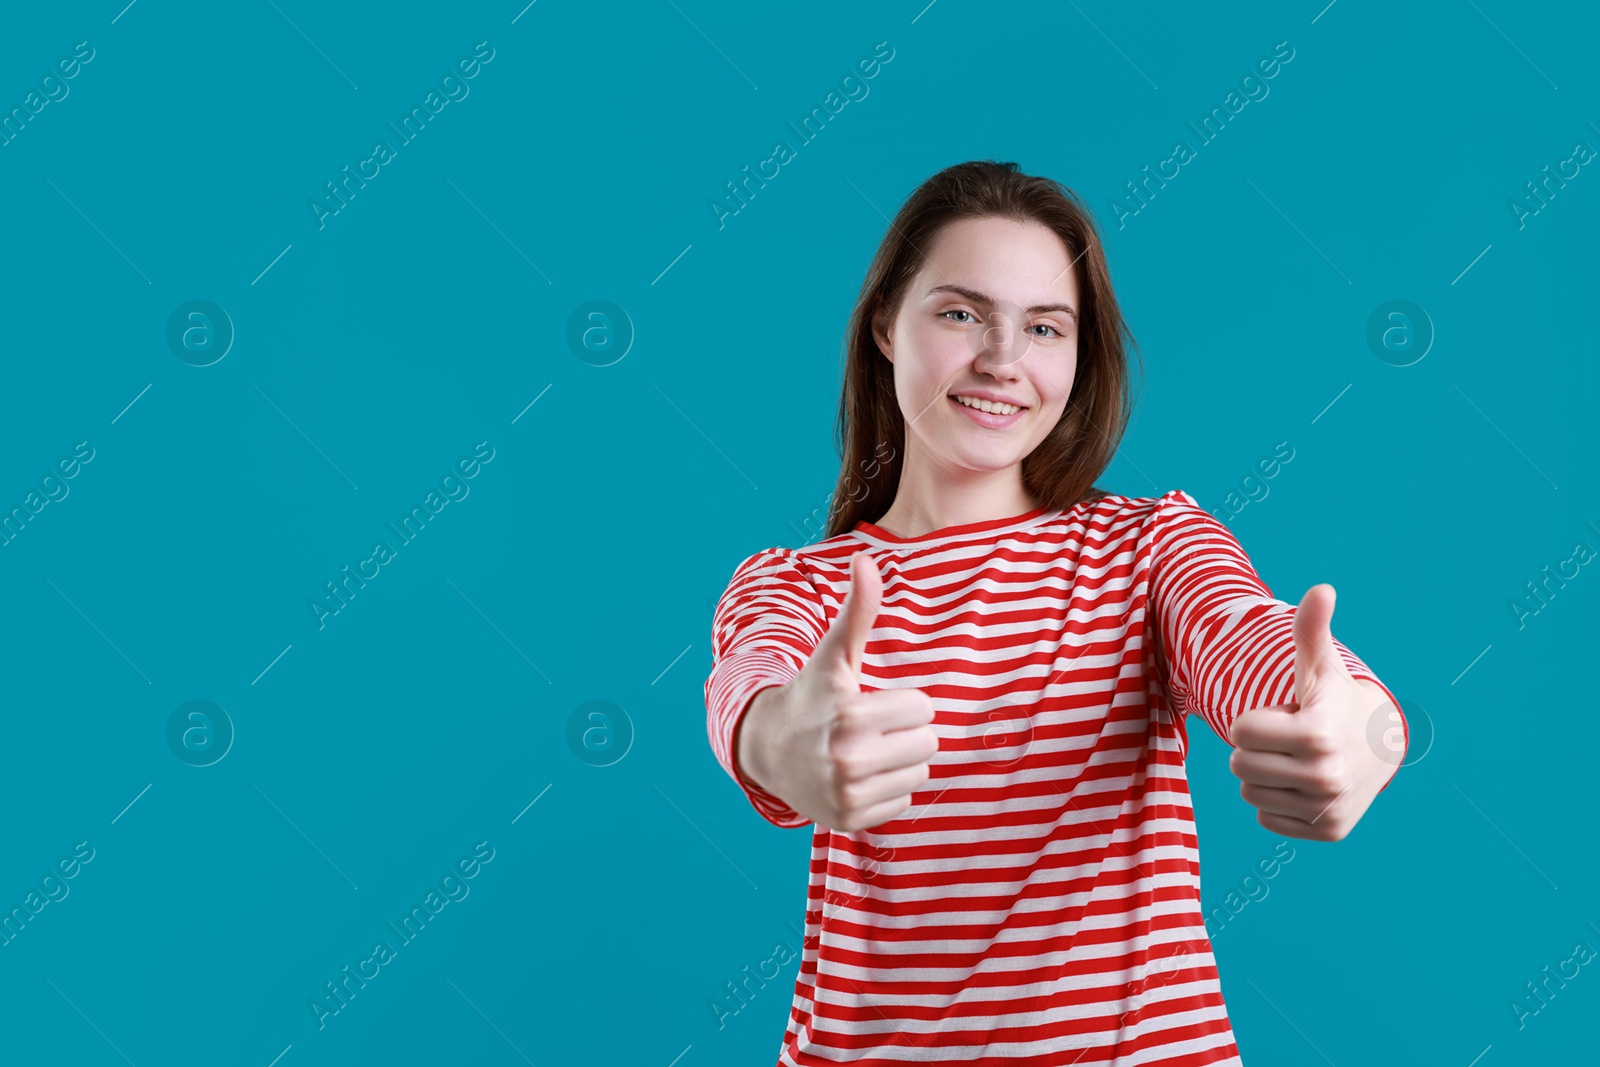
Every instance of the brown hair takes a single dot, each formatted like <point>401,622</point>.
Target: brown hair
<point>1062,469</point>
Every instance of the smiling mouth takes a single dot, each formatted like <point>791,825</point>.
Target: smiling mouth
<point>987,407</point>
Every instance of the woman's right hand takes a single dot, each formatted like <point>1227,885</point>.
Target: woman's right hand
<point>846,759</point>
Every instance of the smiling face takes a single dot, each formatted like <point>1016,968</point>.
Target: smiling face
<point>991,316</point>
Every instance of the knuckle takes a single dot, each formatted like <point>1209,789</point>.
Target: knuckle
<point>847,764</point>
<point>836,677</point>
<point>1320,739</point>
<point>1328,775</point>
<point>848,714</point>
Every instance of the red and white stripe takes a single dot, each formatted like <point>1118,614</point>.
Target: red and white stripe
<point>1039,902</point>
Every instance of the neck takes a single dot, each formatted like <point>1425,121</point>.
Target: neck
<point>921,505</point>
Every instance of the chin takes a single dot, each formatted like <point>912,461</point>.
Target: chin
<point>997,457</point>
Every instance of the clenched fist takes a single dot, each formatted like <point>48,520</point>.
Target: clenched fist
<point>846,759</point>
<point>1309,767</point>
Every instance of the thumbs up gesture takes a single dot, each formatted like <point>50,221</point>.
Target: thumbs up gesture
<point>1308,767</point>
<point>846,759</point>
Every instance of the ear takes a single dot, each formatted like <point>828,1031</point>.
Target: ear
<point>880,333</point>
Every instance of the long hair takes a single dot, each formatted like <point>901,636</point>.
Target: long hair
<point>871,429</point>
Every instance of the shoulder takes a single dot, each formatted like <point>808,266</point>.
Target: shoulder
<point>1160,525</point>
<point>1174,503</point>
<point>1130,513</point>
<point>772,561</point>
<point>776,570</point>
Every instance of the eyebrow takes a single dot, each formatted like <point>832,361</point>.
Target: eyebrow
<point>980,298</point>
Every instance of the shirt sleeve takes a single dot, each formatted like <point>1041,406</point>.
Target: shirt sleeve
<point>1225,643</point>
<point>765,627</point>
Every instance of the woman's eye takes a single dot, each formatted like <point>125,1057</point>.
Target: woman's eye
<point>969,318</point>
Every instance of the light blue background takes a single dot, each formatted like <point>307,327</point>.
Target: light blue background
<point>583,565</point>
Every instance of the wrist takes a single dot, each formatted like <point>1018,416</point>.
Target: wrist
<point>748,733</point>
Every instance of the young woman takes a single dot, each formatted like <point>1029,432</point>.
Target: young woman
<point>975,687</point>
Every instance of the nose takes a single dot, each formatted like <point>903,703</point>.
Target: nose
<point>1000,346</point>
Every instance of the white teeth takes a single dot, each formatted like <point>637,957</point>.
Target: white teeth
<point>987,405</point>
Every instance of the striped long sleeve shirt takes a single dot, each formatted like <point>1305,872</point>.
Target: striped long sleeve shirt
<point>1039,902</point>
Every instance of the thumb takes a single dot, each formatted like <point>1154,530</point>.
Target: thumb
<point>1316,659</point>
<point>848,634</point>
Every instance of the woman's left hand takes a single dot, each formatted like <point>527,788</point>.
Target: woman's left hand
<point>1309,767</point>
